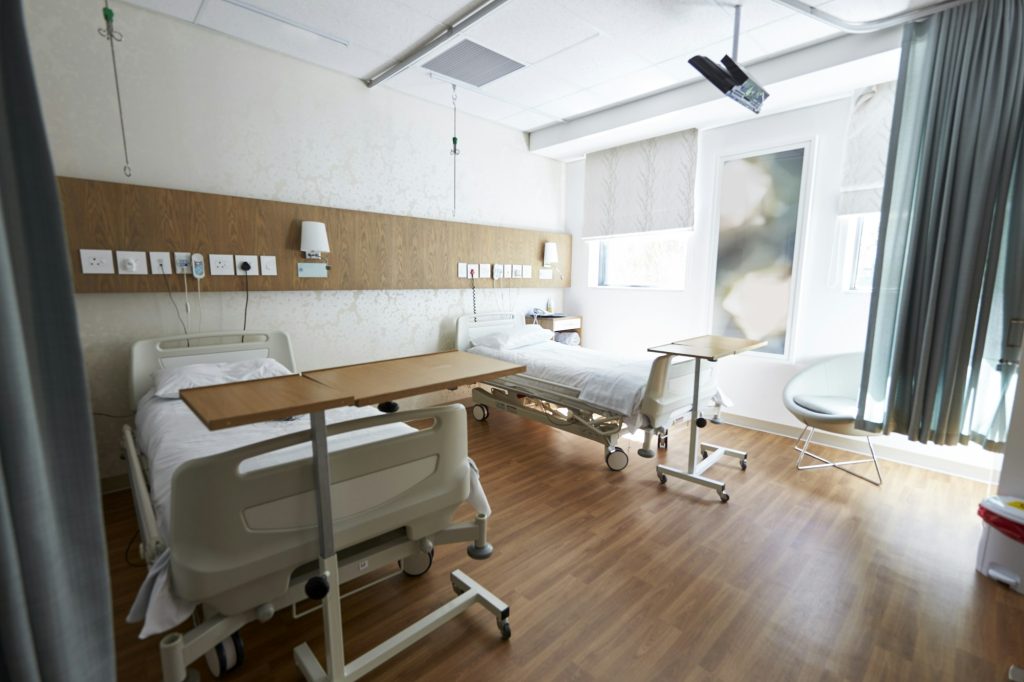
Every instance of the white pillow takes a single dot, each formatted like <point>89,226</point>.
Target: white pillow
<point>528,335</point>
<point>170,380</point>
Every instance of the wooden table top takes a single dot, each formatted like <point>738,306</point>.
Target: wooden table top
<point>375,382</point>
<point>708,347</point>
<point>248,402</point>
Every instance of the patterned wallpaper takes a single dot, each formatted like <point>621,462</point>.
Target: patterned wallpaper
<point>640,187</point>
<point>209,113</point>
<point>867,149</point>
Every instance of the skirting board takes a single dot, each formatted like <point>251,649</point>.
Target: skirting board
<point>859,446</point>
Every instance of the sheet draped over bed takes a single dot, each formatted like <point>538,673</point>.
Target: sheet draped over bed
<point>169,434</point>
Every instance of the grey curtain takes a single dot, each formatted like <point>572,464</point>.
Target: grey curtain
<point>947,309</point>
<point>55,618</point>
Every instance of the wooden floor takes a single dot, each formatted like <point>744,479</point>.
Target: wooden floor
<point>611,576</point>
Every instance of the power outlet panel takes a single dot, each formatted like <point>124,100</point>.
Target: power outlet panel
<point>485,270</point>
<point>221,264</point>
<point>527,272</point>
<point>97,261</point>
<point>463,271</point>
<point>474,270</point>
<point>499,271</point>
<point>131,263</point>
<point>182,262</point>
<point>160,263</point>
<point>268,265</point>
<point>254,266</point>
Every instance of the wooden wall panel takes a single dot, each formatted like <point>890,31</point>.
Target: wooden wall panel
<point>368,250</point>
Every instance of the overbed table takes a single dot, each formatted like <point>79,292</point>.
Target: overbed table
<point>701,457</point>
<point>313,393</point>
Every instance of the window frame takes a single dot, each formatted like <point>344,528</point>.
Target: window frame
<point>596,249</point>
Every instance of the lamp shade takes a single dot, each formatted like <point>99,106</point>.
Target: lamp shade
<point>314,237</point>
<point>550,253</point>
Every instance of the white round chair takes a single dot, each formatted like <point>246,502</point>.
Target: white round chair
<point>824,397</point>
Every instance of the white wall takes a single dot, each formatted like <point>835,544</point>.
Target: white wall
<point>206,112</point>
<point>827,321</point>
<point>1011,480</point>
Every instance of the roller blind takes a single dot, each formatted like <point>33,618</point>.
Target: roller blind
<point>867,149</point>
<point>641,187</point>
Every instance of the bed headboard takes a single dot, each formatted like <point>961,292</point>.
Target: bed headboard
<point>149,355</point>
<point>469,327</point>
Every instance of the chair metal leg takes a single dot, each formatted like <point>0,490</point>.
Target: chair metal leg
<point>802,445</point>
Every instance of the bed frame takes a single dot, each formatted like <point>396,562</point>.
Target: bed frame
<point>667,397</point>
<point>243,545</point>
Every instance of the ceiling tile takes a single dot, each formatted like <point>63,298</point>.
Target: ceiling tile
<point>529,31</point>
<point>784,35</point>
<point>572,105</point>
<point>528,120</point>
<point>529,87</point>
<point>441,11</point>
<point>633,85</point>
<point>275,35</point>
<point>182,9</point>
<point>419,83</point>
<point>385,26</point>
<point>479,104</point>
<point>593,61</point>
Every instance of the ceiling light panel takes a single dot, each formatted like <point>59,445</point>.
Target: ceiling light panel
<point>470,63</point>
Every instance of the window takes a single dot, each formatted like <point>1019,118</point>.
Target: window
<point>861,232</point>
<point>655,260</point>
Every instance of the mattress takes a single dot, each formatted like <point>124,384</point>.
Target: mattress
<point>169,434</point>
<point>611,381</point>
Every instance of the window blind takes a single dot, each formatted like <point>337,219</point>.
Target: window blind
<point>641,187</point>
<point>867,149</point>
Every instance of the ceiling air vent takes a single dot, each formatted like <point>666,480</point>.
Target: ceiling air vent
<point>472,63</point>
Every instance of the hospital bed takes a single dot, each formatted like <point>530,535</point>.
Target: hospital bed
<point>586,392</point>
<point>227,519</point>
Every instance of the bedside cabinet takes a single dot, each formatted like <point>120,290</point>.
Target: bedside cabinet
<point>569,323</point>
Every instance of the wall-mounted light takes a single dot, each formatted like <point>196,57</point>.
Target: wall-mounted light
<point>550,254</point>
<point>314,239</point>
<point>550,261</point>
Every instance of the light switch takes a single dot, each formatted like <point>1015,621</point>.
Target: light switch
<point>517,272</point>
<point>132,263</point>
<point>160,263</point>
<point>268,265</point>
<point>527,272</point>
<point>97,261</point>
<point>221,264</point>
<point>463,271</point>
<point>313,270</point>
<point>546,273</point>
<point>485,270</point>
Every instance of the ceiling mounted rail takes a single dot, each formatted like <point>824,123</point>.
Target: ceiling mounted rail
<point>873,25</point>
<point>459,25</point>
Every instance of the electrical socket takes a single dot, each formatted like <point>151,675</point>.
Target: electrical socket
<point>499,271</point>
<point>160,263</point>
<point>268,265</point>
<point>182,263</point>
<point>221,264</point>
<point>474,270</point>
<point>254,266</point>
<point>485,271</point>
<point>131,263</point>
<point>517,272</point>
<point>463,271</point>
<point>527,272</point>
<point>97,261</point>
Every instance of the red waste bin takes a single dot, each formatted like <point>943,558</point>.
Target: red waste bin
<point>1001,551</point>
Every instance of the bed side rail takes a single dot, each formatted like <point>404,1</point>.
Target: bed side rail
<point>228,525</point>
<point>152,544</point>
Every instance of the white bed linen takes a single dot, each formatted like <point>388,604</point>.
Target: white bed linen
<point>169,434</point>
<point>613,381</point>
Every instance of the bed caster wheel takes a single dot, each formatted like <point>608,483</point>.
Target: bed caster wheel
<point>481,412</point>
<point>417,564</point>
<point>662,478</point>
<point>616,459</point>
<point>504,628</point>
<point>743,464</point>
<point>701,422</point>
<point>723,496</point>
<point>663,441</point>
<point>703,454</point>
<point>226,656</point>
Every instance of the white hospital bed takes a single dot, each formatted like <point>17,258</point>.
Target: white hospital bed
<point>232,528</point>
<point>587,392</point>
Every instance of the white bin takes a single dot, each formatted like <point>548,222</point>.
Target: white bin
<point>1001,551</point>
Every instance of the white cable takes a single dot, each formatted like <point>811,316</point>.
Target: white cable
<point>188,306</point>
<point>199,303</point>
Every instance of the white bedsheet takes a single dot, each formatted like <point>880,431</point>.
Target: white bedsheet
<point>169,434</point>
<point>613,381</point>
